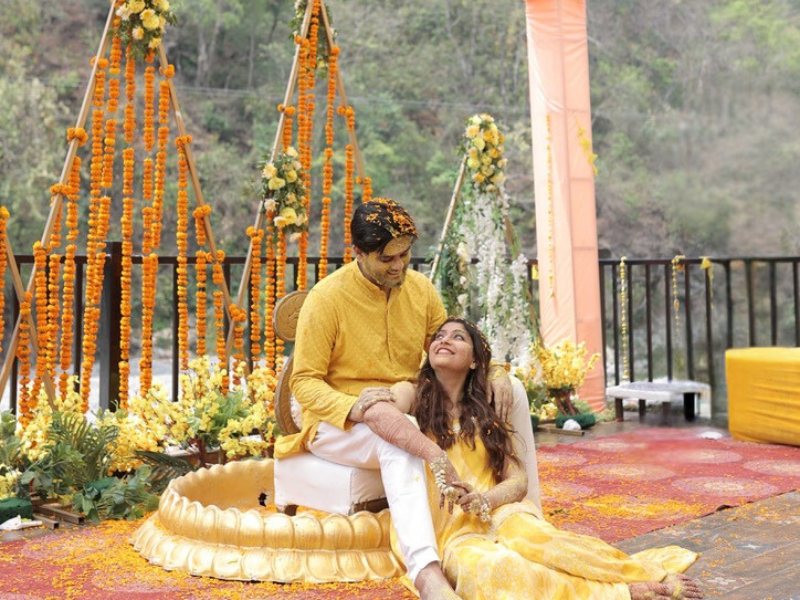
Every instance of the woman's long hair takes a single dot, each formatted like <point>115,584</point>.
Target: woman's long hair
<point>477,415</point>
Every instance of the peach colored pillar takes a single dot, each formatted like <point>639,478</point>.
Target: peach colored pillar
<point>566,225</point>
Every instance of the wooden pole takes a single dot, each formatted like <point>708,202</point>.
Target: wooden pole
<point>450,212</point>
<point>55,207</point>
<point>287,97</point>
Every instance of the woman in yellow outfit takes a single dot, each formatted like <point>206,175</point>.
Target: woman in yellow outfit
<point>495,545</point>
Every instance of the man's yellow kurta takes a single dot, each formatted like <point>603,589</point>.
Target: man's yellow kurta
<point>349,336</point>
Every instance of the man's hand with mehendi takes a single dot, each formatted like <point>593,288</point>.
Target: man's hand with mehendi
<point>502,392</point>
<point>368,397</point>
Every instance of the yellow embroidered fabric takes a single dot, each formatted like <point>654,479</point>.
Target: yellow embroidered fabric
<point>519,555</point>
<point>349,336</point>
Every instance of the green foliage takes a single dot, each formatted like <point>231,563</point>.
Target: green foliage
<point>77,453</point>
<point>163,468</point>
<point>112,498</point>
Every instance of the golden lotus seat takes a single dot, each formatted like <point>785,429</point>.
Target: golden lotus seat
<point>764,394</point>
<point>212,523</point>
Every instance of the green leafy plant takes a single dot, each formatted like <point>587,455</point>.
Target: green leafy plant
<point>112,498</point>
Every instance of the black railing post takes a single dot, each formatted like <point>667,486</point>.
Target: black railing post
<point>751,309</point>
<point>668,316</point>
<point>796,287</point>
<point>709,332</point>
<point>728,305</point>
<point>687,286</point>
<point>109,334</point>
<point>773,305</point>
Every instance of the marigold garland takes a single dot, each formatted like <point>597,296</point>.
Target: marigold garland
<point>24,400</point>
<point>256,241</point>
<point>53,305</point>
<point>149,105</point>
<point>219,314</point>
<point>201,257</point>
<point>68,296</point>
<point>115,59</point>
<point>269,297</point>
<point>239,319</point>
<point>149,278</point>
<point>130,94</point>
<point>280,291</point>
<point>4,214</point>
<point>327,177</point>
<point>40,297</point>
<point>182,243</point>
<point>128,161</point>
<point>108,153</point>
<point>288,112</point>
<point>349,169</point>
<point>623,303</point>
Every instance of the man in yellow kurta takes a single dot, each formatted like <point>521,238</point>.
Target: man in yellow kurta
<point>362,329</point>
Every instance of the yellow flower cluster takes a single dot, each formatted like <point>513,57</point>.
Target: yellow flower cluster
<point>8,484</point>
<point>563,366</point>
<point>33,435</point>
<point>283,190</point>
<point>483,146</point>
<point>206,412</point>
<point>142,24</point>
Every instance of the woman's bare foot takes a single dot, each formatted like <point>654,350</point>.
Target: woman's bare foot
<point>433,585</point>
<point>673,587</point>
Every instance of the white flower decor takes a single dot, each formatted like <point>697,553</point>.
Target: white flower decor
<point>283,191</point>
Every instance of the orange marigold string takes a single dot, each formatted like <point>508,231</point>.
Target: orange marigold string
<point>149,105</point>
<point>182,235</point>
<point>269,296</point>
<point>256,240</point>
<point>349,168</point>
<point>219,314</point>
<point>108,153</point>
<point>24,400</point>
<point>128,161</point>
<point>280,291</point>
<point>161,162</point>
<point>4,214</point>
<point>130,94</point>
<point>149,276</point>
<point>288,112</point>
<point>327,176</point>
<point>53,305</point>
<point>239,318</point>
<point>40,282</point>
<point>115,58</point>
<point>68,296</point>
<point>202,258</point>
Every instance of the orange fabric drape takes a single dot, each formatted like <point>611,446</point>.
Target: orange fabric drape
<point>566,224</point>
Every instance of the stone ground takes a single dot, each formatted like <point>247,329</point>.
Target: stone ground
<point>750,552</point>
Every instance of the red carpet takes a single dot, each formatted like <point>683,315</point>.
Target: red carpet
<point>614,487</point>
<point>625,485</point>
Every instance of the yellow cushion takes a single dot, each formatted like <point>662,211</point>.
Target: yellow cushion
<point>764,394</point>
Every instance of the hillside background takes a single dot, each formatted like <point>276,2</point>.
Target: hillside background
<point>695,106</point>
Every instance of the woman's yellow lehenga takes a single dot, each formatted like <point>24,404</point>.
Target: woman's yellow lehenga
<point>520,556</point>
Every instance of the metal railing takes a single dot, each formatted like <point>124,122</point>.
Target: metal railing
<point>679,322</point>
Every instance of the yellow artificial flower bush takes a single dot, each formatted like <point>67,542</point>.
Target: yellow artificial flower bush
<point>562,369</point>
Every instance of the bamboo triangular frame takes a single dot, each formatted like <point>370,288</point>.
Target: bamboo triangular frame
<point>56,202</point>
<point>290,89</point>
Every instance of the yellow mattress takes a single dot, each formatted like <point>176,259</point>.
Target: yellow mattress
<point>764,394</point>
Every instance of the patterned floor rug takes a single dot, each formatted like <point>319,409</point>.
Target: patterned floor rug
<point>625,485</point>
<point>613,487</point>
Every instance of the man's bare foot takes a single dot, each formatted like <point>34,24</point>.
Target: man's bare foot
<point>673,587</point>
<point>433,585</point>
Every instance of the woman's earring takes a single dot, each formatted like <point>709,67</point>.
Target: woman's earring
<point>472,366</point>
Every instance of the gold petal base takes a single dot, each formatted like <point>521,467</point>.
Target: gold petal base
<point>209,523</point>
